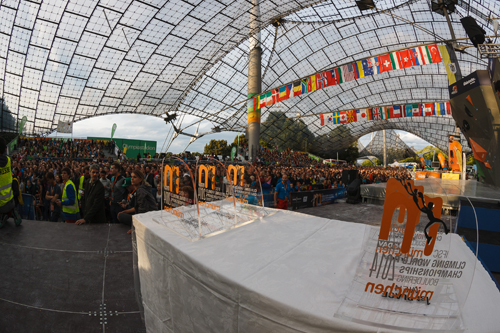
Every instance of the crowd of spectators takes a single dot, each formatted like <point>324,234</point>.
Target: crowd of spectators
<point>51,148</point>
<point>42,166</point>
<point>39,165</point>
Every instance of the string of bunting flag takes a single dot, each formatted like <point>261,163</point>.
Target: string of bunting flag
<point>386,112</point>
<point>417,56</point>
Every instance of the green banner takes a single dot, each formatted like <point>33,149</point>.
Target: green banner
<point>313,157</point>
<point>113,129</point>
<point>21,124</point>
<point>233,153</point>
<point>134,147</point>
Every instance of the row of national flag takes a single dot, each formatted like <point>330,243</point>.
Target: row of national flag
<point>416,56</point>
<point>386,112</point>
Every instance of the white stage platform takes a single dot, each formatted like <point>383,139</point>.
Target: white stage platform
<point>287,272</point>
<point>451,190</point>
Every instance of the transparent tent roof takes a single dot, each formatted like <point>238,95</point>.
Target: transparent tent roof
<point>396,148</point>
<point>71,60</point>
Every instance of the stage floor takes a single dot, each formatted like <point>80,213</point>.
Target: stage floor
<point>450,190</point>
<point>60,277</point>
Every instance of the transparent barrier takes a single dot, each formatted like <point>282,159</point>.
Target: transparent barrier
<point>410,276</point>
<point>208,197</point>
<point>27,210</point>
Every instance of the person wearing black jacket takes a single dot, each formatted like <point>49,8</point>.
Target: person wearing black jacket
<point>144,199</point>
<point>118,192</point>
<point>150,177</point>
<point>93,200</point>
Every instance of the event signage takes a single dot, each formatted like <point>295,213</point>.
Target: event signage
<point>208,198</point>
<point>113,129</point>
<point>233,153</point>
<point>64,127</point>
<point>408,277</point>
<point>131,148</point>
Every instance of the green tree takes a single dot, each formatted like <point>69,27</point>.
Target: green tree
<point>263,143</point>
<point>367,163</point>
<point>243,140</point>
<point>217,147</point>
<point>7,121</point>
<point>350,154</point>
<point>430,151</point>
<point>341,136</point>
<point>279,130</point>
<point>410,160</point>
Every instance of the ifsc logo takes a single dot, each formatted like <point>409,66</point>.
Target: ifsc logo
<point>411,203</point>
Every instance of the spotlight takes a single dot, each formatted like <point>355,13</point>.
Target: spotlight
<point>365,4</point>
<point>170,118</point>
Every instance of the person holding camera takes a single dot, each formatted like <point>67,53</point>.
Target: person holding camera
<point>128,205</point>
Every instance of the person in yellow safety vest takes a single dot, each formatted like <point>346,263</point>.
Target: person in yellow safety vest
<point>7,203</point>
<point>81,187</point>
<point>85,176</point>
<point>69,200</point>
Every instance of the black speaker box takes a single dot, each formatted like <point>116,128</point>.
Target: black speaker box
<point>473,30</point>
<point>348,176</point>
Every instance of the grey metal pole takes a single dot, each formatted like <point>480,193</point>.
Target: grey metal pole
<point>254,81</point>
<point>385,150</point>
<point>454,43</point>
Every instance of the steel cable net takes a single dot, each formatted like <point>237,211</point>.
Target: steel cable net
<point>71,60</point>
<point>396,148</point>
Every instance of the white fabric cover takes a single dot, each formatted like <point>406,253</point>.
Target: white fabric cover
<point>288,272</point>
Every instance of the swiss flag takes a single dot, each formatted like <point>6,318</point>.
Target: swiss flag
<point>405,58</point>
<point>395,112</point>
<point>385,63</point>
<point>343,117</point>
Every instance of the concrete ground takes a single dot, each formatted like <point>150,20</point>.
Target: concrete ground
<point>342,211</point>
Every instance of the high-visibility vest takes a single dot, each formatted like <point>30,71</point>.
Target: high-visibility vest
<point>69,209</point>
<point>80,188</point>
<point>6,193</point>
<point>20,197</point>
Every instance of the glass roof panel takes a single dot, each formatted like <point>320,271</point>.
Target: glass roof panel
<point>77,59</point>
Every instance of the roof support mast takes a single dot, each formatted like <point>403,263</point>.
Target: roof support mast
<point>443,7</point>
<point>254,80</point>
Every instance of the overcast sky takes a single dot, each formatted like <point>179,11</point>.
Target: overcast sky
<point>142,127</point>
